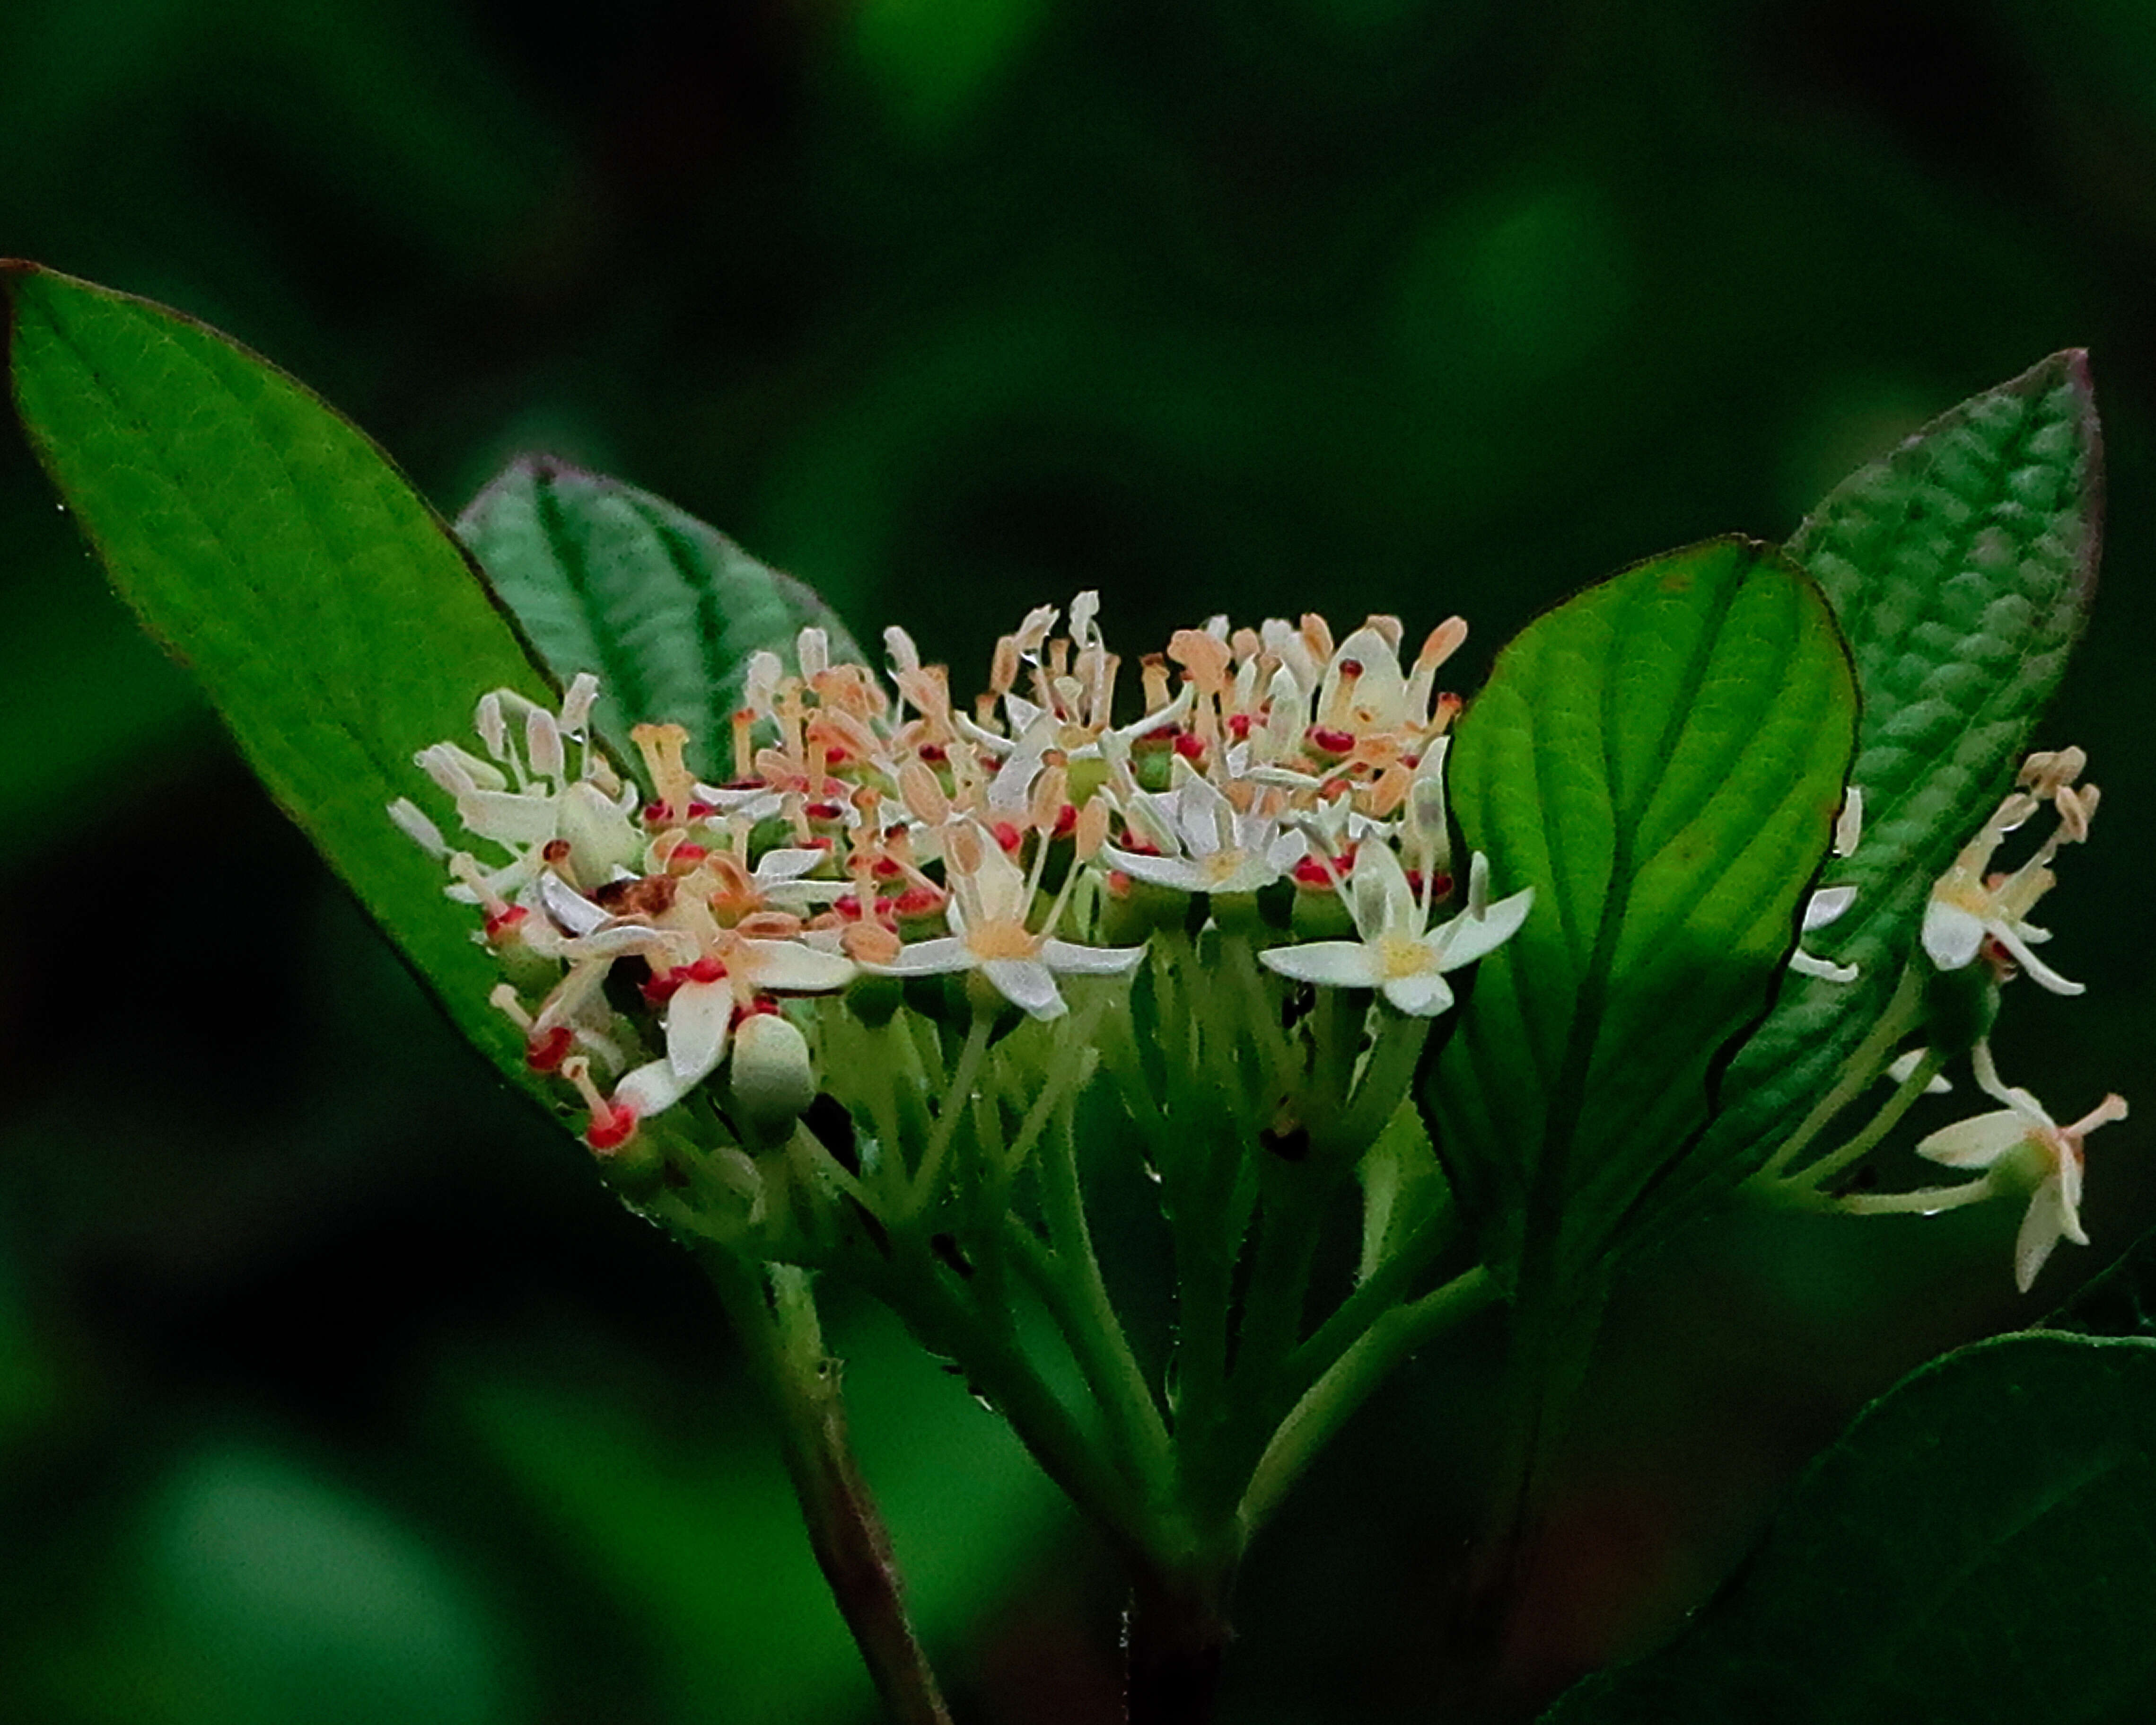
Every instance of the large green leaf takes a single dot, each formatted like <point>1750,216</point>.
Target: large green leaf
<point>331,618</point>
<point>1959,569</point>
<point>608,578</point>
<point>1661,759</point>
<point>1979,1547</point>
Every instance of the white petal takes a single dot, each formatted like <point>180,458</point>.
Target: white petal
<point>775,866</point>
<point>1467,938</point>
<point>2039,972</point>
<point>415,826</point>
<point>1069,959</point>
<point>649,1089</point>
<point>1903,1067</point>
<point>1827,905</point>
<point>1337,964</point>
<point>508,818</point>
<point>1423,996</point>
<point>1977,1142</point>
<point>1950,934</point>
<point>1824,969</point>
<point>2048,1221</point>
<point>945,953</point>
<point>1178,874</point>
<point>697,1019</point>
<point>568,907</point>
<point>788,968</point>
<point>1377,887</point>
<point>1027,984</point>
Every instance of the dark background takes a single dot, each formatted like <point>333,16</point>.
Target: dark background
<point>331,1386</point>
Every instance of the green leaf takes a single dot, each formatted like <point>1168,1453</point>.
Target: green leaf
<point>1959,569</point>
<point>332,620</point>
<point>1661,759</point>
<point>1980,1546</point>
<point>605,577</point>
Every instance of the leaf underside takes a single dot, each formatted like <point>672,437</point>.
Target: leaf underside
<point>1661,759</point>
<point>1959,567</point>
<point>608,578</point>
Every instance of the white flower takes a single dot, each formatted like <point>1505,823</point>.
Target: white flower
<point>1222,849</point>
<point>1969,905</point>
<point>990,898</point>
<point>1394,954</point>
<point>2024,1149</point>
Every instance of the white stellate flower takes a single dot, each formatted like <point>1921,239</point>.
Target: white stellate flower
<point>1969,905</point>
<point>1394,954</point>
<point>1220,849</point>
<point>991,898</point>
<point>2022,1149</point>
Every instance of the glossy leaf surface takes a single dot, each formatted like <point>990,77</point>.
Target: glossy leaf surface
<point>1980,1546</point>
<point>328,614</point>
<point>1661,759</point>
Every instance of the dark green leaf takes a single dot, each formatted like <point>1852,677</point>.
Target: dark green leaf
<point>1661,759</point>
<point>1979,1547</point>
<point>608,578</point>
<point>334,622</point>
<point>1959,569</point>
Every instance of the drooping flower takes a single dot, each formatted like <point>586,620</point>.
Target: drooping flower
<point>2021,1148</point>
<point>1393,952</point>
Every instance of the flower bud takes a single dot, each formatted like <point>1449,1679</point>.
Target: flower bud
<point>774,1078</point>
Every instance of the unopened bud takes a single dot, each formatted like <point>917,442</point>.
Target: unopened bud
<point>774,1078</point>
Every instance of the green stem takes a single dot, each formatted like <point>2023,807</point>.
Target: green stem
<point>1903,1014</point>
<point>777,1325</point>
<point>1378,1293</point>
<point>1329,1402</point>
<point>956,1099</point>
<point>1808,1182</point>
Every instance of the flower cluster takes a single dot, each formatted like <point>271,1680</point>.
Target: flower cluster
<point>870,833</point>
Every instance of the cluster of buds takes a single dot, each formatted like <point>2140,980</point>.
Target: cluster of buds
<point>874,833</point>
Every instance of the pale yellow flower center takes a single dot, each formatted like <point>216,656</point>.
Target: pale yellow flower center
<point>1001,939</point>
<point>1400,955</point>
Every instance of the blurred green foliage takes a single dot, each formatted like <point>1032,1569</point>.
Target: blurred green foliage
<point>328,1379</point>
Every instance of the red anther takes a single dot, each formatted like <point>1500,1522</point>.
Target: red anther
<point>687,854</point>
<point>817,841</point>
<point>1189,745</point>
<point>502,921</point>
<point>1119,883</point>
<point>1330,742</point>
<point>702,811</point>
<point>704,970</point>
<point>545,1052</point>
<point>825,811</point>
<point>1317,872</point>
<point>1138,846</point>
<point>1161,739</point>
<point>1066,820</point>
<point>834,755</point>
<point>1411,762</point>
<point>1440,884</point>
<point>1351,667</point>
<point>658,813</point>
<point>611,1131</point>
<point>661,987</point>
<point>1447,704</point>
<point>555,850</point>
<point>1239,726</point>
<point>886,912</point>
<point>886,868</point>
<point>934,753</point>
<point>763,1006</point>
<point>1009,836</point>
<point>918,901</point>
<point>847,905</point>
<point>745,784</point>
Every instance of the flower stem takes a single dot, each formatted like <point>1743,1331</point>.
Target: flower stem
<point>776,1321</point>
<point>1347,1383</point>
